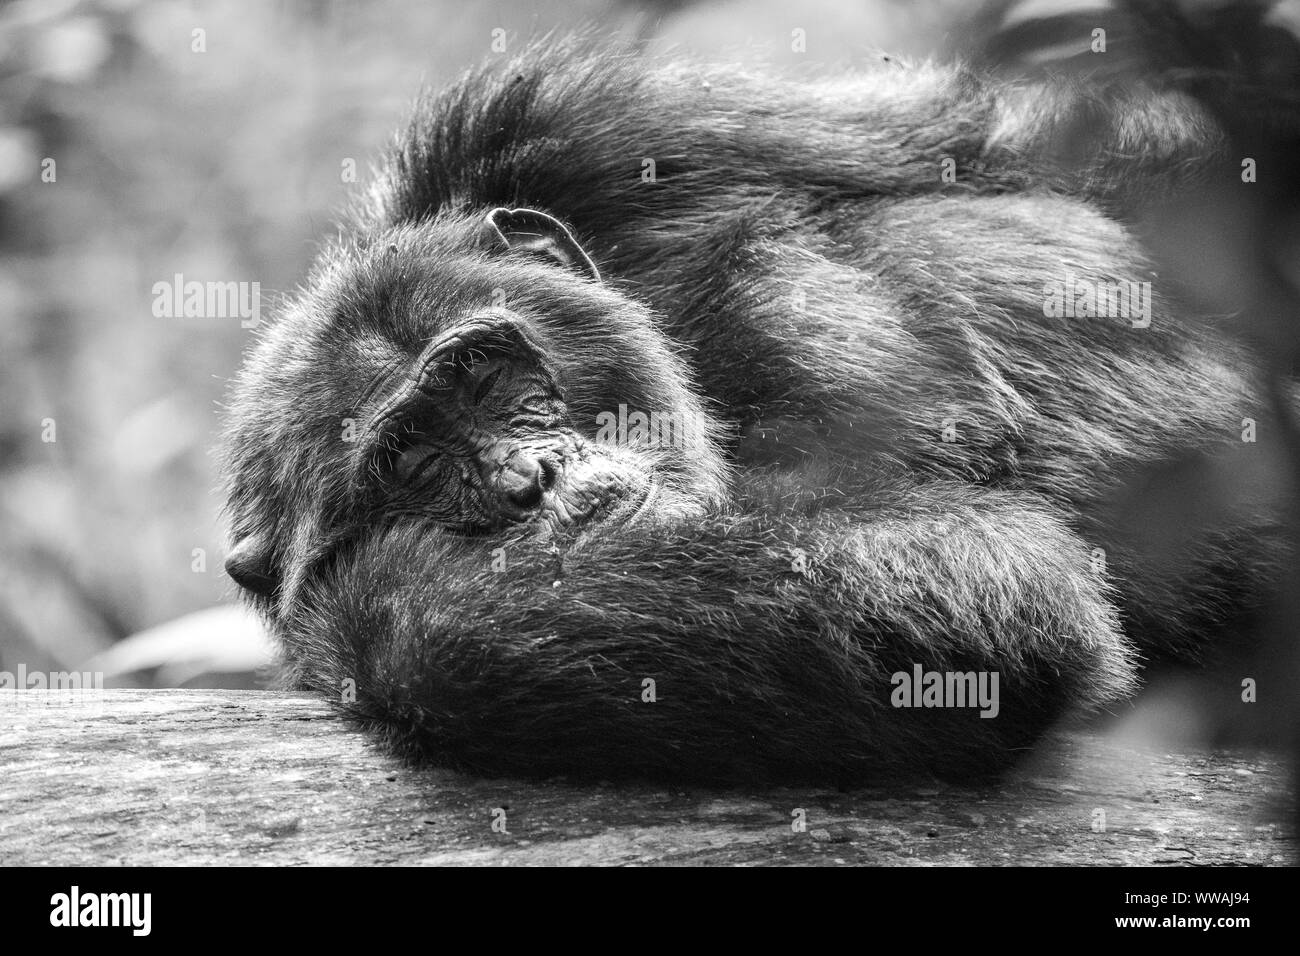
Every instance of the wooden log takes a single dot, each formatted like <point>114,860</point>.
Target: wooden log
<point>208,777</point>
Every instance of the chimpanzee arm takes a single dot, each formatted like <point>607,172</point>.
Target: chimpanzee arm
<point>770,639</point>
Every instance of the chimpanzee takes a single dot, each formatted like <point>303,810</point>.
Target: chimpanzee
<point>653,418</point>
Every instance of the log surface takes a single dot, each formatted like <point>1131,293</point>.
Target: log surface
<point>249,777</point>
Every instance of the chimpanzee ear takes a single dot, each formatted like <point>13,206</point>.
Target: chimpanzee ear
<point>249,564</point>
<point>530,231</point>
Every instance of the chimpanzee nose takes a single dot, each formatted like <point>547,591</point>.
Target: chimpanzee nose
<point>525,479</point>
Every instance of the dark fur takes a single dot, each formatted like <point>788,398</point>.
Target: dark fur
<point>920,304</point>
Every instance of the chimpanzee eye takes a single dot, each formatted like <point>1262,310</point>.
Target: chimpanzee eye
<point>485,386</point>
<point>414,461</point>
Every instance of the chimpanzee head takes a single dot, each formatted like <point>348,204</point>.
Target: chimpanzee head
<point>472,370</point>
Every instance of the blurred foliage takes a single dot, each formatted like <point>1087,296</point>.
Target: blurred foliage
<point>221,165</point>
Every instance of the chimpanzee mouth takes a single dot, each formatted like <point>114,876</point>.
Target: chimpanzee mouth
<point>612,507</point>
<point>616,506</point>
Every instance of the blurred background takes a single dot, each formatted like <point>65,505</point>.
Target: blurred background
<point>143,138</point>
<point>218,155</point>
